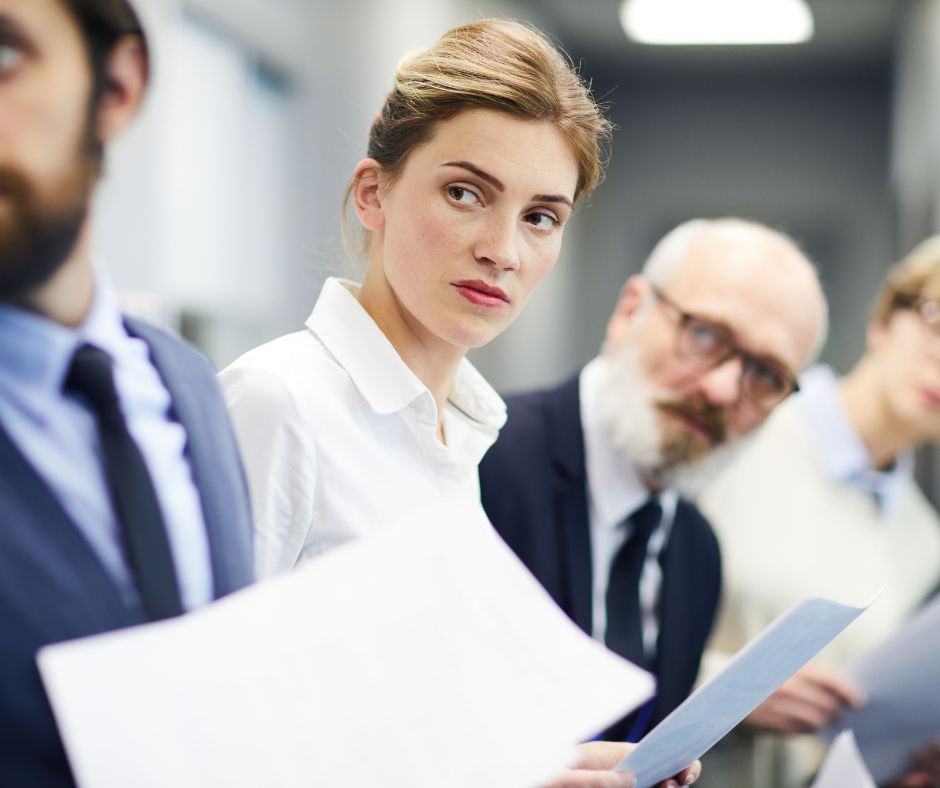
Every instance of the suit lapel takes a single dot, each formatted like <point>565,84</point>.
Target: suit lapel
<point>47,545</point>
<point>566,440</point>
<point>193,409</point>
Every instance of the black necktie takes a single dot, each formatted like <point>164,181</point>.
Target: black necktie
<point>129,483</point>
<point>624,633</point>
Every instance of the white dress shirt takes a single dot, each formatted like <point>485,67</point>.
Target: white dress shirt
<point>339,436</point>
<point>615,491</point>
<point>59,437</point>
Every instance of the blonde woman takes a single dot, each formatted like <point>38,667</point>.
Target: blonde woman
<point>482,149</point>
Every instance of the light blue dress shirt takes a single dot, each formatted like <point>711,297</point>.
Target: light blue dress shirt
<point>841,451</point>
<point>58,436</point>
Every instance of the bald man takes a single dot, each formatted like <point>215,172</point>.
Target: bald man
<point>586,481</point>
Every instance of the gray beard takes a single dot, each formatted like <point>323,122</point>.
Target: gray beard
<point>631,422</point>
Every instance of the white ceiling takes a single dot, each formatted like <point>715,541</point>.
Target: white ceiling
<point>847,32</point>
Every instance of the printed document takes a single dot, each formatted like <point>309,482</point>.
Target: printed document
<point>425,655</point>
<point>844,767</point>
<point>901,680</point>
<point>750,678</point>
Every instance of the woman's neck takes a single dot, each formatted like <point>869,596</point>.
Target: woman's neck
<point>433,361</point>
<point>882,433</point>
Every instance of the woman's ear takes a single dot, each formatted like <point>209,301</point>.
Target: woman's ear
<point>367,182</point>
<point>126,85</point>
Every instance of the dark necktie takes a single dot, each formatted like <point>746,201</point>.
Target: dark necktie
<point>129,484</point>
<point>624,633</point>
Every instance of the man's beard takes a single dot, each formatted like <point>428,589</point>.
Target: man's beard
<point>38,234</point>
<point>636,418</point>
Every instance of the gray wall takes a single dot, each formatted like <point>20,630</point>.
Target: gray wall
<point>807,153</point>
<point>839,153</point>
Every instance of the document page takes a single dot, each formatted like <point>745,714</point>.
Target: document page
<point>728,697</point>
<point>844,767</point>
<point>901,680</point>
<point>423,656</point>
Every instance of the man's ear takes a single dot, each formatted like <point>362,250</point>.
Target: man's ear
<point>633,295</point>
<point>366,192</point>
<point>126,75</point>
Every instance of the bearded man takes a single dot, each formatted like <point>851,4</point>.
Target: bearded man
<point>121,496</point>
<point>586,480</point>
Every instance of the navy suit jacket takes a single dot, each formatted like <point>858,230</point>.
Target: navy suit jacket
<point>534,488</point>
<point>52,586</point>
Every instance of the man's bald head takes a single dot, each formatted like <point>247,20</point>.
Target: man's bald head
<point>758,255</point>
<point>707,340</point>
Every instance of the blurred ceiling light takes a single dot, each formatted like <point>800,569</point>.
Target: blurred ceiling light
<point>717,21</point>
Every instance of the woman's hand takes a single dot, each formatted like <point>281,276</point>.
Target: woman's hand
<point>597,758</point>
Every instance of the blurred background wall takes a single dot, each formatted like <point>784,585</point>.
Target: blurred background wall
<point>221,211</point>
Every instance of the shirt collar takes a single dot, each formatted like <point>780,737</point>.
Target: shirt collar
<point>376,369</point>
<point>841,451</point>
<point>615,487</point>
<point>476,399</point>
<point>358,344</point>
<point>36,352</point>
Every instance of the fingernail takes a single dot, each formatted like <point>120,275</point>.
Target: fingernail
<point>689,779</point>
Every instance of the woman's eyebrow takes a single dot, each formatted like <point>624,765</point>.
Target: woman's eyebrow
<point>492,180</point>
<point>552,198</point>
<point>497,184</point>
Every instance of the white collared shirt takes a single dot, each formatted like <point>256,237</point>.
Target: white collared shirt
<point>615,491</point>
<point>339,436</point>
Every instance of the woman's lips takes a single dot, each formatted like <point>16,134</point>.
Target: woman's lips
<point>481,294</point>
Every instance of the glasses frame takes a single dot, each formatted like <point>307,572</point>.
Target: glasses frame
<point>926,309</point>
<point>748,360</point>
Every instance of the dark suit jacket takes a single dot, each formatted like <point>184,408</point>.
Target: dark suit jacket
<point>52,586</point>
<point>534,488</point>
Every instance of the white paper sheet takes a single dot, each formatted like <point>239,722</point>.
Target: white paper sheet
<point>844,767</point>
<point>728,697</point>
<point>424,656</point>
<point>901,680</point>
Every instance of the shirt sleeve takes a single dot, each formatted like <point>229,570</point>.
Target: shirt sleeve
<point>279,455</point>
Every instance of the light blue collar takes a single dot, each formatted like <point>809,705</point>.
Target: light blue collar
<point>843,455</point>
<point>35,352</point>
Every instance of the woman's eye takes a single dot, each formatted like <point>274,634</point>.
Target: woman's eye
<point>462,195</point>
<point>542,221</point>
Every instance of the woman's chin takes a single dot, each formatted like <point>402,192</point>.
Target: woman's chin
<point>472,334</point>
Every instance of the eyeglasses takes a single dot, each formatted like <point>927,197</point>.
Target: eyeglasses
<point>707,345</point>
<point>927,310</point>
